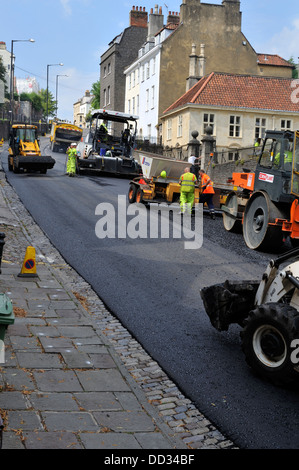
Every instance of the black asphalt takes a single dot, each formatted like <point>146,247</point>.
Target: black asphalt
<point>153,287</point>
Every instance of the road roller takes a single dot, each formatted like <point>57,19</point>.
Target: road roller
<point>264,203</point>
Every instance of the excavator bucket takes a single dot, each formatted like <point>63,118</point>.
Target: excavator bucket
<point>229,302</point>
<point>35,163</point>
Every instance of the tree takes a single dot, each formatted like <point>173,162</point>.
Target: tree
<point>2,72</point>
<point>51,102</point>
<point>96,92</point>
<point>2,75</point>
<point>294,71</point>
<point>39,101</point>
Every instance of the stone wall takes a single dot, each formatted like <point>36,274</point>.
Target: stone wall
<point>4,130</point>
<point>5,127</point>
<point>221,172</point>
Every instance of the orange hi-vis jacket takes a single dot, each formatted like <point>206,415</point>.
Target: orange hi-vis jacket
<point>207,185</point>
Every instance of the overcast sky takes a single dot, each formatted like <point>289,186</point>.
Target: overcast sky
<point>77,32</point>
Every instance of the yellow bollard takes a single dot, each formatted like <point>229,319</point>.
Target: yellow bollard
<point>29,264</point>
<point>1,142</point>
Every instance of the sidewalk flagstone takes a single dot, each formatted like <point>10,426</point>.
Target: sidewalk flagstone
<point>74,378</point>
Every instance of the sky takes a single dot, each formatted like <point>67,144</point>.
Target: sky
<point>77,32</point>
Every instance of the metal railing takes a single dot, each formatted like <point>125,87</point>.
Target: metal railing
<point>236,155</point>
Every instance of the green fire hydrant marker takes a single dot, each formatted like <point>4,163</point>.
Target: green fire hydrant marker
<point>6,318</point>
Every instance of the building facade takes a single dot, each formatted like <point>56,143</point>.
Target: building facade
<point>238,109</point>
<point>201,39</point>
<point>142,76</point>
<point>226,49</point>
<point>27,85</point>
<point>122,51</point>
<point>81,109</point>
<point>6,60</point>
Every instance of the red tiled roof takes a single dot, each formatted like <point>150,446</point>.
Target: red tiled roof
<point>241,91</point>
<point>273,59</point>
<point>170,26</point>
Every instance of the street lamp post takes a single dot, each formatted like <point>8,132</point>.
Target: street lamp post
<point>12,74</point>
<point>57,91</point>
<point>47,95</point>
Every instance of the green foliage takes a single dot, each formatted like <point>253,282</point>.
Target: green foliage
<point>34,98</point>
<point>88,116</point>
<point>2,74</point>
<point>294,71</point>
<point>51,102</point>
<point>25,97</point>
<point>96,92</point>
<point>39,101</point>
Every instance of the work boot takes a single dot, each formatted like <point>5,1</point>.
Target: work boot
<point>212,215</point>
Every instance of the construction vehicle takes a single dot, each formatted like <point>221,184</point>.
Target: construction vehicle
<point>264,203</point>
<point>159,181</point>
<point>63,134</point>
<point>268,312</point>
<point>109,152</point>
<point>24,150</point>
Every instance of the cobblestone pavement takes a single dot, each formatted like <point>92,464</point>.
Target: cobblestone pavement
<point>74,377</point>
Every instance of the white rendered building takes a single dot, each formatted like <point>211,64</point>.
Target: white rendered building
<point>143,76</point>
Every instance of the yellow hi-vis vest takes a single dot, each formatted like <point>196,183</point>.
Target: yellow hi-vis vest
<point>188,182</point>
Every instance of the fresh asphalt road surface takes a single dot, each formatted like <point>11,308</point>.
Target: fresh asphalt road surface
<point>153,287</point>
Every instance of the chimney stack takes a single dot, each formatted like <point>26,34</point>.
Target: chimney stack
<point>138,17</point>
<point>193,69</point>
<point>202,61</point>
<point>155,22</point>
<point>173,18</point>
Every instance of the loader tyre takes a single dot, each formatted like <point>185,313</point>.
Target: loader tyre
<point>132,193</point>
<point>10,167</point>
<point>15,166</point>
<point>267,339</point>
<point>139,195</point>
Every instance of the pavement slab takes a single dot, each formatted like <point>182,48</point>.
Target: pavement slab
<point>73,377</point>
